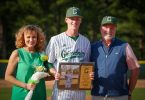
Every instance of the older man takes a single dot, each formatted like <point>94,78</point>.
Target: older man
<point>113,58</point>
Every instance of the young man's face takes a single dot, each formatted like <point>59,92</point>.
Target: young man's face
<point>73,23</point>
<point>108,31</point>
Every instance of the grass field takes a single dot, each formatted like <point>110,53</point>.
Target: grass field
<point>138,94</point>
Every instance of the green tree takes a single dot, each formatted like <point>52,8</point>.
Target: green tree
<point>50,15</point>
<point>131,23</point>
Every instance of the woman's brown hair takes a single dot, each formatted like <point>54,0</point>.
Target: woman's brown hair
<point>20,42</point>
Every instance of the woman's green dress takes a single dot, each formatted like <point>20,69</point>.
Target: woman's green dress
<point>25,69</point>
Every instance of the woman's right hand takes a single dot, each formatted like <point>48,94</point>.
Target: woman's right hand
<point>30,86</point>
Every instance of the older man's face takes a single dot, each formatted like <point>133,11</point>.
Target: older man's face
<point>108,31</point>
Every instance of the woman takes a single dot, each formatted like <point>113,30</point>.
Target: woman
<point>23,63</point>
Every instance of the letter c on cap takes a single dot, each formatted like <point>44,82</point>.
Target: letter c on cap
<point>74,11</point>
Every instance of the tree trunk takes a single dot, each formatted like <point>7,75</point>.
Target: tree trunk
<point>2,43</point>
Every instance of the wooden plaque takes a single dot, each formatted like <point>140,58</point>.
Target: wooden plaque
<point>75,76</point>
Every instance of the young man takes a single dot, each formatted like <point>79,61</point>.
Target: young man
<point>69,46</point>
<point>113,58</point>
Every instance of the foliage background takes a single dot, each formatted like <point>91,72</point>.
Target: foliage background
<point>50,14</point>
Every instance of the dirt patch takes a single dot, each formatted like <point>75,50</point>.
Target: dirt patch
<point>6,84</point>
<point>140,84</point>
<point>49,84</point>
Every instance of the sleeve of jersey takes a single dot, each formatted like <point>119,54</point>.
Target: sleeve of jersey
<point>88,52</point>
<point>51,50</point>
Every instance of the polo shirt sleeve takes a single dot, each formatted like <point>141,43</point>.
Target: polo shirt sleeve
<point>131,59</point>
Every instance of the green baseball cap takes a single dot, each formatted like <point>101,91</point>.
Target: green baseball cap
<point>73,11</point>
<point>109,20</point>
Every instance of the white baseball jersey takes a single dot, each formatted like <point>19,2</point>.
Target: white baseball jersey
<point>62,48</point>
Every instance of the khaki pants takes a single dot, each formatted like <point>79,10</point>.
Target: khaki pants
<point>110,98</point>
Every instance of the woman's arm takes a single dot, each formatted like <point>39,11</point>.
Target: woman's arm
<point>11,67</point>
